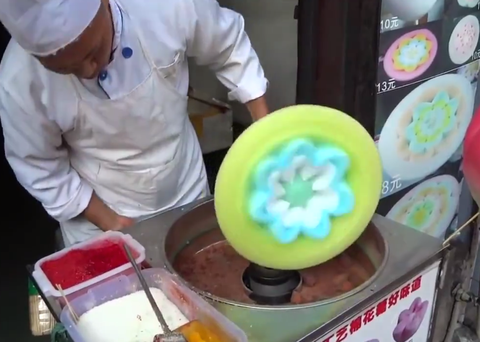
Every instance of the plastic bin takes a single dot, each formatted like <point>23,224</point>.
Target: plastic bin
<point>189,303</point>
<point>50,290</point>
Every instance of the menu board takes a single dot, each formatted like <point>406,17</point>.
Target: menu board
<point>429,61</point>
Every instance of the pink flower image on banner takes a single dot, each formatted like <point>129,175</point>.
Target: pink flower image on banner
<point>410,55</point>
<point>410,320</point>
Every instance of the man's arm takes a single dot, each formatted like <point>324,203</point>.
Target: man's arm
<point>35,151</point>
<point>103,217</point>
<point>258,108</point>
<point>216,37</point>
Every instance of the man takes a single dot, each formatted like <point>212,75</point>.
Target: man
<point>93,103</point>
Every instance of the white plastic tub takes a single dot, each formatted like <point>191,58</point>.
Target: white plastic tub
<point>49,289</point>
<point>190,304</point>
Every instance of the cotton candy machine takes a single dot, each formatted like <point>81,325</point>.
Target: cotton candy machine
<point>289,244</point>
<point>386,256</point>
<point>212,266</point>
<point>285,306</point>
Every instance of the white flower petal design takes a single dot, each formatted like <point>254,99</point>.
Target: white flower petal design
<point>278,207</point>
<point>312,218</point>
<point>294,216</point>
<point>308,171</point>
<point>324,197</point>
<point>324,178</point>
<point>325,200</point>
<point>288,175</point>
<point>299,162</point>
<point>305,186</point>
<point>274,182</point>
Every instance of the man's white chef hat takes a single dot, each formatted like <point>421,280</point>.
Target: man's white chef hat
<point>42,27</point>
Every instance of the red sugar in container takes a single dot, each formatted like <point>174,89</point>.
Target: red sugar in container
<point>83,265</point>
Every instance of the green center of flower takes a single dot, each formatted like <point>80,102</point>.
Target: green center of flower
<point>298,192</point>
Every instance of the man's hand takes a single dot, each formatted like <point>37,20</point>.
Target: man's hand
<point>258,108</point>
<point>103,217</point>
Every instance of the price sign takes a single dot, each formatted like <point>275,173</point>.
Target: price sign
<point>385,86</point>
<point>389,24</point>
<point>391,186</point>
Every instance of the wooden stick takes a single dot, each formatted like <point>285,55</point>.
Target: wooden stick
<point>70,308</point>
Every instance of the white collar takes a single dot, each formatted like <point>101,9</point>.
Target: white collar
<point>117,19</point>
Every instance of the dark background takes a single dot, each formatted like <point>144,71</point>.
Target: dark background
<point>453,9</point>
<point>27,235</point>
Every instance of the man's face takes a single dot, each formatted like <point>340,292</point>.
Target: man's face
<point>87,56</point>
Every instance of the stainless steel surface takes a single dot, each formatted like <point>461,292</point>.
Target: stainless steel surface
<point>406,250</point>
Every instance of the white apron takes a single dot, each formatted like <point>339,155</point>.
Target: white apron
<point>139,152</point>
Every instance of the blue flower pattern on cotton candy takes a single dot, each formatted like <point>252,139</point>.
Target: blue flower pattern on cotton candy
<point>299,189</point>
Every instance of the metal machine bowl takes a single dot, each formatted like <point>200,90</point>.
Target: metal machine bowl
<point>296,320</point>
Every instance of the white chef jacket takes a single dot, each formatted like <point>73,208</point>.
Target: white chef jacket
<point>39,109</point>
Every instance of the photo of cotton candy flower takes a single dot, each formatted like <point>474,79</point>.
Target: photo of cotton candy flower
<point>409,320</point>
